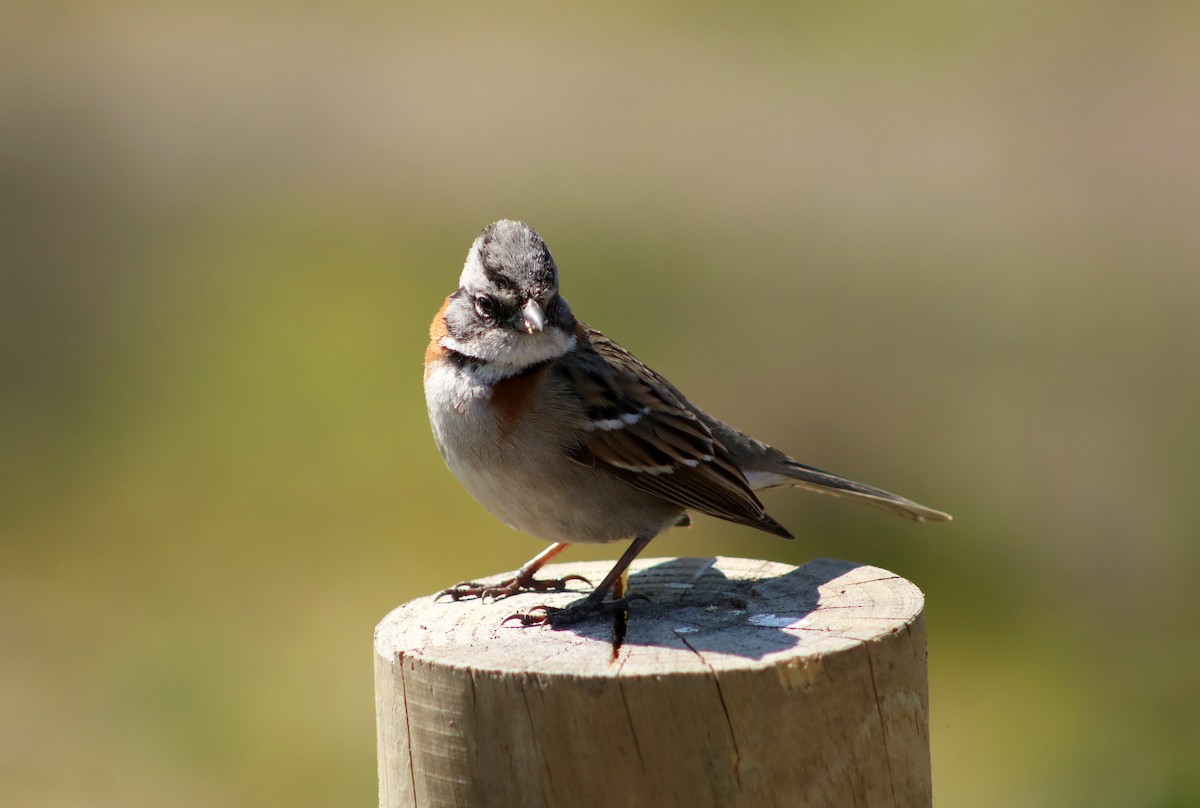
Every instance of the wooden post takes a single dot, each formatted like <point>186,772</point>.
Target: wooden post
<point>742,683</point>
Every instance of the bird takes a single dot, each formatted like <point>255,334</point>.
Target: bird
<point>565,435</point>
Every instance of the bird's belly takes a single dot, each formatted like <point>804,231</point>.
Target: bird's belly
<point>525,478</point>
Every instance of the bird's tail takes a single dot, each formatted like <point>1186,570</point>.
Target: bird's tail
<point>788,472</point>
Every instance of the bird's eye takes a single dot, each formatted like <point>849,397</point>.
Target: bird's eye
<point>485,306</point>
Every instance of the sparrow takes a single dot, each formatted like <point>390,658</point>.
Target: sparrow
<point>565,435</point>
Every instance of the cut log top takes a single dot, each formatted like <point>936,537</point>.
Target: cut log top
<point>741,683</point>
<point>705,614</point>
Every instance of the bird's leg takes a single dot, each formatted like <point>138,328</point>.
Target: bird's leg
<point>593,603</point>
<point>523,581</point>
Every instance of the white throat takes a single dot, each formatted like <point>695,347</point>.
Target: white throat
<point>514,356</point>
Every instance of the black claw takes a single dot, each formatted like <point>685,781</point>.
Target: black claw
<point>560,584</point>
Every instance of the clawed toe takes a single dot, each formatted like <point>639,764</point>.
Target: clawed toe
<point>555,616</point>
<point>551,584</point>
<point>534,617</point>
<point>462,589</point>
<point>508,587</point>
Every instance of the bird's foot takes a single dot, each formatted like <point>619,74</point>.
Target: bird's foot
<point>509,587</point>
<point>555,616</point>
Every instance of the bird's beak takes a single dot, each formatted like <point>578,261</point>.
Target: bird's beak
<point>534,317</point>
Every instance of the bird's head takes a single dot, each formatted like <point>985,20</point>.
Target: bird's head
<point>507,311</point>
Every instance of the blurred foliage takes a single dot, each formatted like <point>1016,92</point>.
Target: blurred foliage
<point>946,248</point>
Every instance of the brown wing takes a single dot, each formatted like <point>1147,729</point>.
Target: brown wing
<point>643,431</point>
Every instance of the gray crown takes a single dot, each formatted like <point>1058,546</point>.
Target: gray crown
<point>511,258</point>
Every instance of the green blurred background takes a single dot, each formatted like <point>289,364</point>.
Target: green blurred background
<point>947,248</point>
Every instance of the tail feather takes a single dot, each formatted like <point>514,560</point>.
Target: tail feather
<point>767,467</point>
<point>791,473</point>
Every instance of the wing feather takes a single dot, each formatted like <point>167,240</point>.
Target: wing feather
<point>643,431</point>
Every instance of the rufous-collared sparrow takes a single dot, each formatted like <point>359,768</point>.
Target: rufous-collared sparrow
<point>564,434</point>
